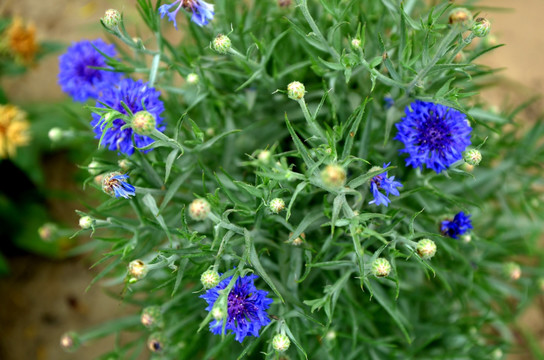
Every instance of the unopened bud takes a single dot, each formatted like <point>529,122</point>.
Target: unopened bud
<point>264,156</point>
<point>143,123</point>
<point>281,342</point>
<point>124,164</point>
<point>355,44</point>
<point>55,134</point>
<point>467,167</point>
<point>512,271</point>
<point>151,317</point>
<point>111,18</point>
<point>276,205</point>
<point>331,335</point>
<point>46,231</point>
<point>137,270</point>
<point>334,176</point>
<point>497,354</point>
<point>199,209</point>
<point>460,16</point>
<point>70,341</point>
<point>481,27</point>
<point>296,90</point>
<point>94,168</point>
<point>156,342</point>
<point>299,240</point>
<point>381,267</point>
<point>85,222</point>
<point>218,313</point>
<point>221,44</point>
<point>209,279</point>
<point>192,79</point>
<point>426,248</point>
<point>473,157</point>
<point>466,238</point>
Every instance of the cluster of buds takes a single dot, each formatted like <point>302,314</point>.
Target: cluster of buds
<point>143,123</point>
<point>209,279</point>
<point>381,267</point>
<point>199,209</point>
<point>221,44</point>
<point>151,317</point>
<point>280,342</point>
<point>276,205</point>
<point>137,270</point>
<point>334,176</point>
<point>426,248</point>
<point>296,90</point>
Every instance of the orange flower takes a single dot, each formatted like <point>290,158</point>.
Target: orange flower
<point>22,40</point>
<point>13,130</point>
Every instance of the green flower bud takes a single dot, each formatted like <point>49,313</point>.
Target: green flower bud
<point>137,270</point>
<point>111,18</point>
<point>281,342</point>
<point>193,79</point>
<point>151,317</point>
<point>46,231</point>
<point>472,157</point>
<point>299,240</point>
<point>85,222</point>
<point>156,342</point>
<point>426,248</point>
<point>143,123</point>
<point>334,176</point>
<point>512,271</point>
<point>55,134</point>
<point>124,164</point>
<point>460,16</point>
<point>277,205</point>
<point>209,279</point>
<point>296,90</point>
<point>264,156</point>
<point>481,27</point>
<point>94,168</point>
<point>381,267</point>
<point>199,209</point>
<point>218,313</point>
<point>70,341</point>
<point>221,44</point>
<point>355,44</point>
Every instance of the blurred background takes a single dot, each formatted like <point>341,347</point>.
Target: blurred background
<point>43,289</point>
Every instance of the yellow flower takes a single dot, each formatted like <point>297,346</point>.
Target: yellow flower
<point>13,130</point>
<point>21,40</point>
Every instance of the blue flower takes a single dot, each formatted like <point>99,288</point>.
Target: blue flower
<point>76,76</point>
<point>388,102</point>
<point>202,11</point>
<point>458,226</point>
<point>434,135</point>
<point>137,96</point>
<point>246,307</point>
<point>386,183</point>
<point>113,184</point>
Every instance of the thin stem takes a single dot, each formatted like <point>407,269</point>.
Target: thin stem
<point>310,120</point>
<point>306,13</point>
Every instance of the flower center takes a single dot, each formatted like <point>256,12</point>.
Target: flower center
<point>238,306</point>
<point>433,133</point>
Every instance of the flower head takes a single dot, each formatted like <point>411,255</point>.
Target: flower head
<point>458,226</point>
<point>137,96</point>
<point>113,184</point>
<point>201,10</point>
<point>246,307</point>
<point>21,41</point>
<point>383,182</point>
<point>13,130</point>
<point>77,74</point>
<point>433,135</point>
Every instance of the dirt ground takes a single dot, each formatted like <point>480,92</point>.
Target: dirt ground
<point>43,298</point>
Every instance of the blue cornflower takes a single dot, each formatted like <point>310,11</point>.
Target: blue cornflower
<point>388,102</point>
<point>113,184</point>
<point>458,226</point>
<point>434,135</point>
<point>386,183</point>
<point>137,96</point>
<point>246,307</point>
<point>202,11</point>
<point>77,78</point>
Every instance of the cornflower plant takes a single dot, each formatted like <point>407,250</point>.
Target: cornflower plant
<point>304,183</point>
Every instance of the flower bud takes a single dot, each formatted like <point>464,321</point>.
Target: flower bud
<point>512,271</point>
<point>296,90</point>
<point>143,123</point>
<point>55,134</point>
<point>156,342</point>
<point>209,279</point>
<point>299,240</point>
<point>137,270</point>
<point>151,317</point>
<point>192,78</point>
<point>221,44</point>
<point>355,44</point>
<point>94,168</point>
<point>466,238</point>
<point>276,205</point>
<point>264,156</point>
<point>46,231</point>
<point>199,209</point>
<point>98,179</point>
<point>467,167</point>
<point>111,18</point>
<point>330,335</point>
<point>334,176</point>
<point>460,16</point>
<point>85,222</point>
<point>70,341</point>
<point>472,157</point>
<point>281,342</point>
<point>218,313</point>
<point>481,27</point>
<point>426,248</point>
<point>124,164</point>
<point>381,267</point>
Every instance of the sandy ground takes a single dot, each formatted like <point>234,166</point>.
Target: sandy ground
<point>42,298</point>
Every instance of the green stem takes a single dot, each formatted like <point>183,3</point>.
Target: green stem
<point>316,129</point>
<point>306,13</point>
